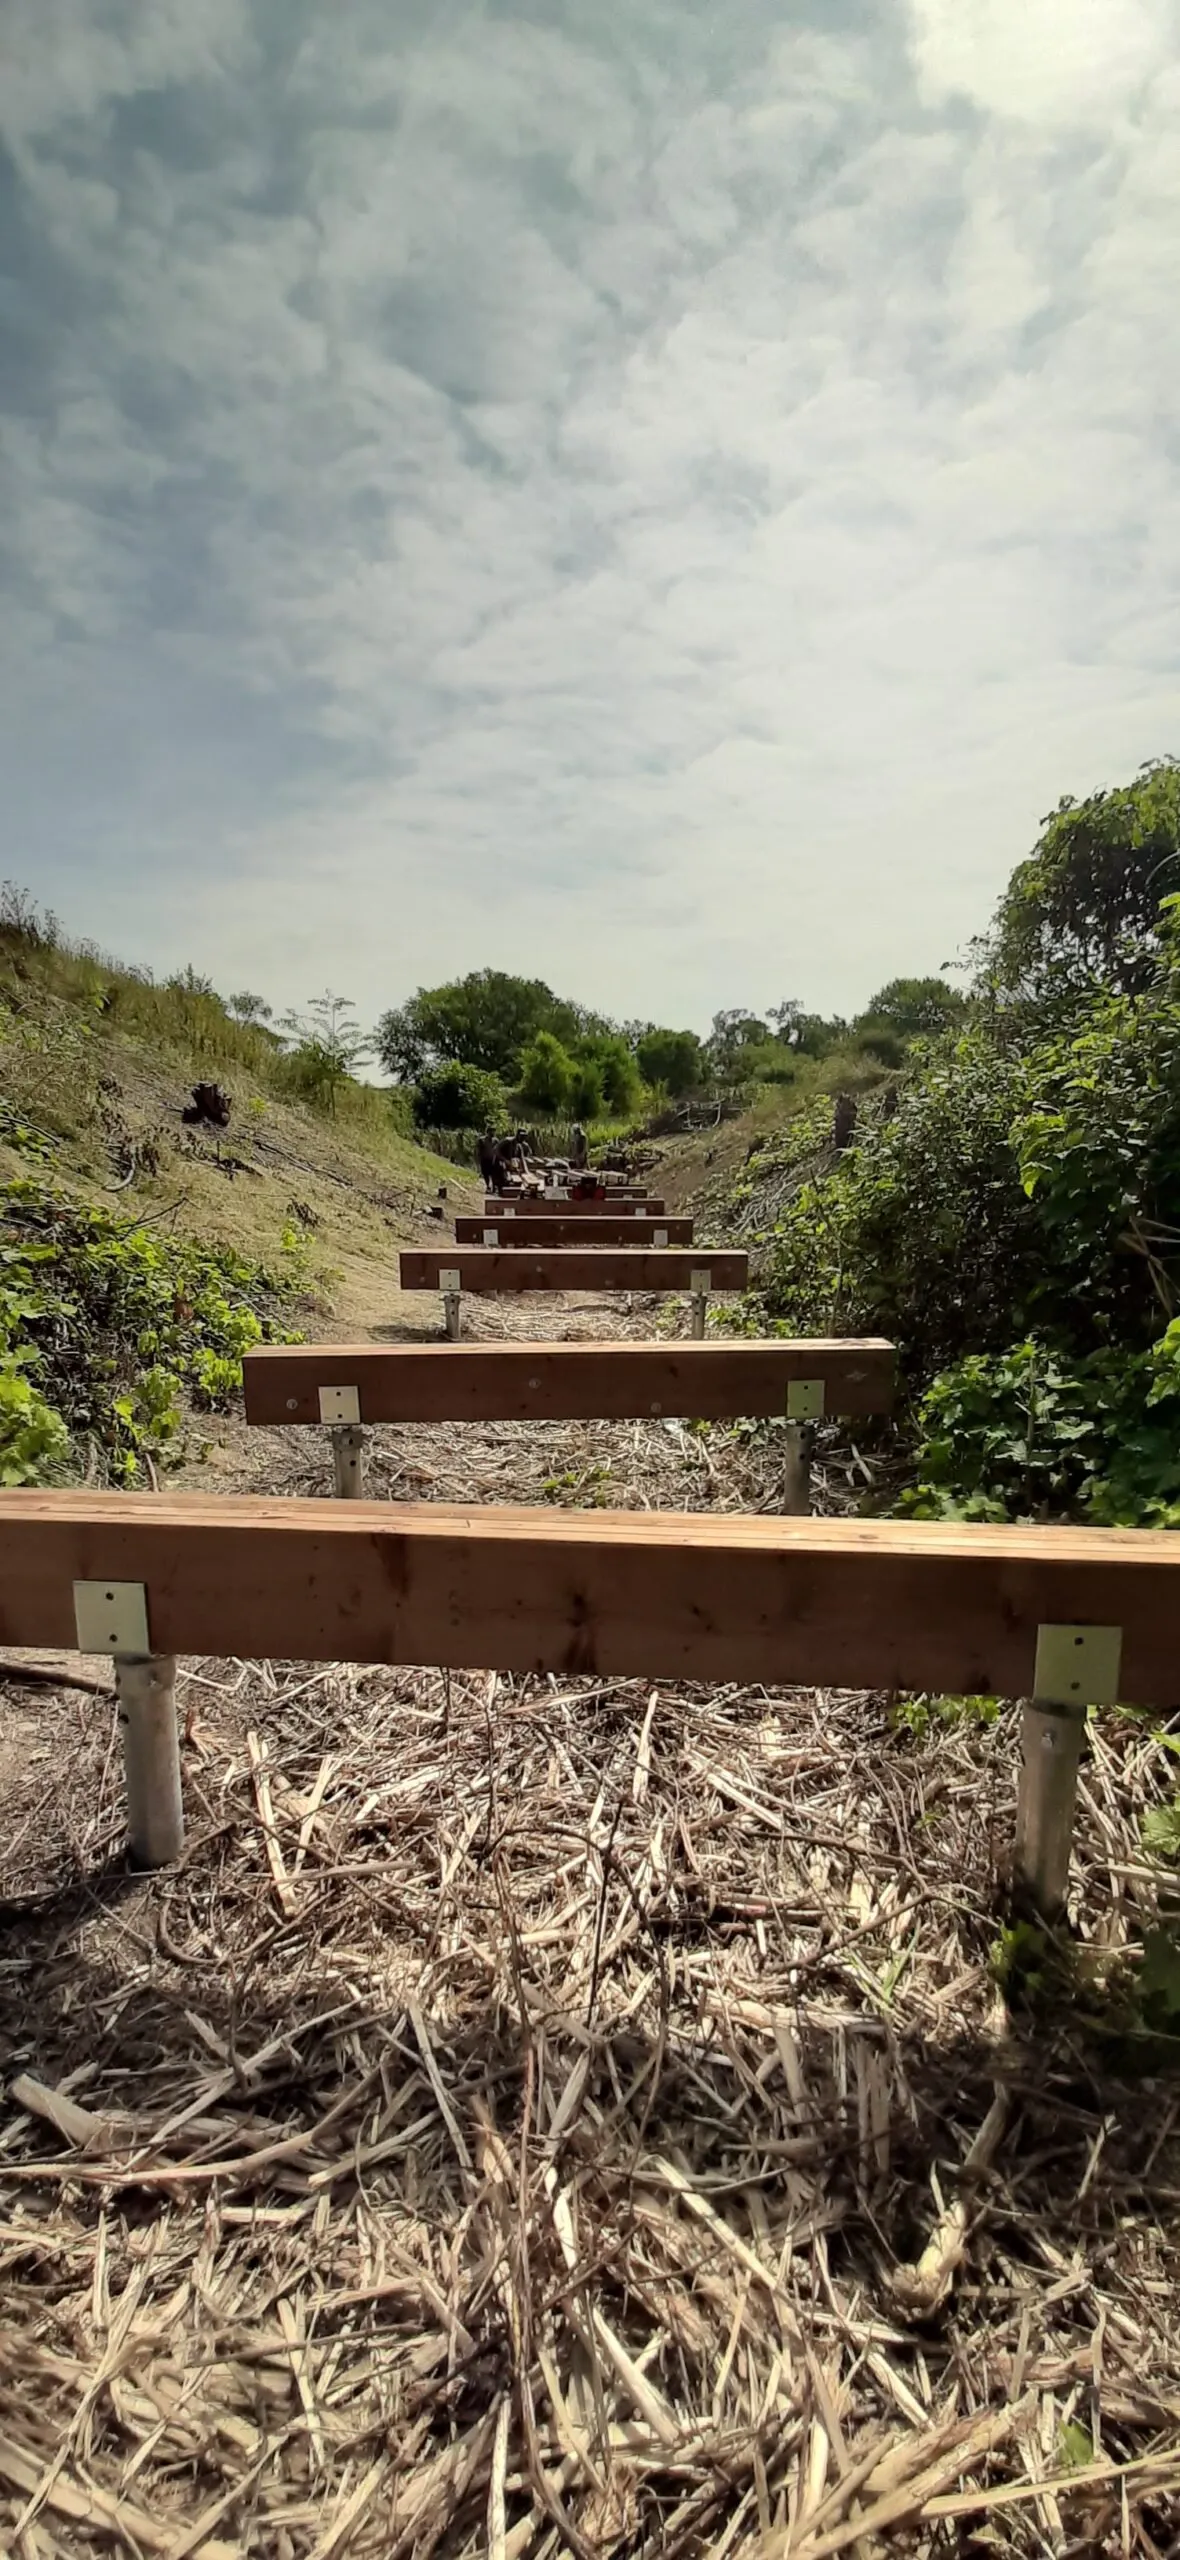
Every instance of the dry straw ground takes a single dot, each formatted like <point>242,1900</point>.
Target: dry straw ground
<point>547,2118</point>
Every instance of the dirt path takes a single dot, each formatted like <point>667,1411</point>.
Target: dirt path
<point>661,1465</point>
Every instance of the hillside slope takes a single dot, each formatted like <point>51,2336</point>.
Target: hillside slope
<point>96,1069</point>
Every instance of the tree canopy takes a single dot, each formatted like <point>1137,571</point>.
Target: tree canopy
<point>673,1059</point>
<point>484,1020</point>
<point>1084,910</point>
<point>913,1006</point>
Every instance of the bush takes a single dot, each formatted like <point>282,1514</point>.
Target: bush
<point>105,1327</point>
<point>1027,1434</point>
<point>547,1077</point>
<point>458,1097</point>
<point>673,1061</point>
<point>586,1096</point>
<point>923,1231</point>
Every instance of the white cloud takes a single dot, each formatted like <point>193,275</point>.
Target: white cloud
<point>671,517</point>
<point>1048,62</point>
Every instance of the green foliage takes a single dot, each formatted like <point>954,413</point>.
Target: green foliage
<point>1029,1434</point>
<point>453,1096</point>
<point>1161,1829</point>
<point>34,1442</point>
<point>922,1231</point>
<point>486,1020</point>
<point>547,1076</point>
<point>1084,910</point>
<point>1098,1149</point>
<point>329,1049</point>
<point>879,1040</point>
<point>915,1008</point>
<point>106,1326</point>
<point>732,1036</point>
<point>586,1098</point>
<point>925,1716</point>
<point>672,1060</point>
<point>605,1057</point>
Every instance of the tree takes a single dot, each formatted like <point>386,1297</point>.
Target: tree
<point>457,1097</point>
<point>731,1033</point>
<point>402,1046</point>
<point>484,1020</point>
<point>913,1007</point>
<point>674,1060</point>
<point>610,1062</point>
<point>811,1034</point>
<point>1084,909</point>
<point>247,1008</point>
<point>546,1076</point>
<point>586,1095</point>
<point>328,1047</point>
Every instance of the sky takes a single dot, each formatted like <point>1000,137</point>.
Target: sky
<point>660,496</point>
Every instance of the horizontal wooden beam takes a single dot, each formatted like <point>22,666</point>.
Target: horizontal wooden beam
<point>485,1268</point>
<point>850,1604</point>
<point>615,1190</point>
<point>522,1229</point>
<point>527,1205</point>
<point>564,1381</point>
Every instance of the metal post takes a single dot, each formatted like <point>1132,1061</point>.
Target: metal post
<point>348,1461</point>
<point>1076,1667</point>
<point>797,1470</point>
<point>1052,1740</point>
<point>144,1685</point>
<point>699,1304</point>
<point>451,1314</point>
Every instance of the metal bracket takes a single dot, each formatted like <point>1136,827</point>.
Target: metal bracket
<point>491,1235</point>
<point>660,1237</point>
<point>805,1399</point>
<point>450,1281</point>
<point>700,1282</point>
<point>1078,1666</point>
<point>340,1404</point>
<point>111,1617</point>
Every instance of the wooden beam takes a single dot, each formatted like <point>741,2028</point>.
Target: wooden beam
<point>850,1604</point>
<point>490,1267</point>
<point>523,1229</point>
<point>564,1381</point>
<point>527,1205</point>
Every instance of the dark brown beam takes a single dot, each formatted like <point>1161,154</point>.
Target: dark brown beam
<point>523,1229</point>
<point>526,1204</point>
<point>852,1604</point>
<point>565,1381</point>
<point>489,1268</point>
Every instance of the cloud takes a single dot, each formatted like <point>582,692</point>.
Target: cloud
<point>661,500</point>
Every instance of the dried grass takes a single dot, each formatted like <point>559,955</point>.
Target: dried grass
<point>547,2118</point>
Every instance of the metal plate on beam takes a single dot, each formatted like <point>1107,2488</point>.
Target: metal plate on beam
<point>340,1404</point>
<point>805,1399</point>
<point>700,1282</point>
<point>491,1235</point>
<point>1078,1666</point>
<point>111,1617</point>
<point>450,1281</point>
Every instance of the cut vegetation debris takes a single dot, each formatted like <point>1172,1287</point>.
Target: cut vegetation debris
<point>547,2118</point>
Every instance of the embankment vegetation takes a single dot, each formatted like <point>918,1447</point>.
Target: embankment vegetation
<point>1009,1210</point>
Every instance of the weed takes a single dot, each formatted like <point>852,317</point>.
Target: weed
<point>924,1716</point>
<point>106,1329</point>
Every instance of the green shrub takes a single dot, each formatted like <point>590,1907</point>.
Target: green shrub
<point>458,1097</point>
<point>105,1328</point>
<point>547,1075</point>
<point>922,1231</point>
